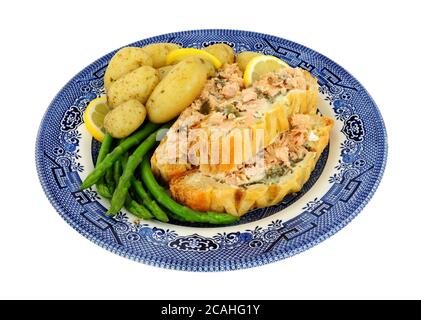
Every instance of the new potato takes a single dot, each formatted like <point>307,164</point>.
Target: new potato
<point>123,62</point>
<point>159,51</point>
<point>124,120</point>
<point>244,57</point>
<point>222,51</point>
<point>137,84</point>
<point>180,87</point>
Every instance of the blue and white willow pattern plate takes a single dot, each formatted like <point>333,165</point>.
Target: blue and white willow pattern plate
<point>344,180</point>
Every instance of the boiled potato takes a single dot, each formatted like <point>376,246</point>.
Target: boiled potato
<point>222,51</point>
<point>158,52</point>
<point>123,62</point>
<point>137,84</point>
<point>244,57</point>
<point>181,86</point>
<point>163,71</point>
<point>124,120</point>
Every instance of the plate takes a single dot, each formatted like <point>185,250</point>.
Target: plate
<point>344,180</point>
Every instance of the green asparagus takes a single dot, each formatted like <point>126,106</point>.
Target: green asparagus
<point>137,209</point>
<point>148,201</point>
<point>133,162</point>
<point>109,179</point>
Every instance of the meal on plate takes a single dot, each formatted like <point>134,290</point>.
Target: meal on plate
<point>203,135</point>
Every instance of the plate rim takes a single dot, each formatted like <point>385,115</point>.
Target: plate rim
<point>226,264</point>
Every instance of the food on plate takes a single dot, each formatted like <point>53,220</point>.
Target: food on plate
<point>262,65</point>
<point>288,163</point>
<point>223,52</point>
<point>124,120</point>
<point>94,117</point>
<point>244,57</point>
<point>159,51</point>
<point>123,62</point>
<point>226,107</point>
<point>137,85</point>
<point>177,90</point>
<point>241,135</point>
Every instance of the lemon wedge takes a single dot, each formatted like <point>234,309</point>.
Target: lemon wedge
<point>180,54</point>
<point>261,65</point>
<point>94,117</point>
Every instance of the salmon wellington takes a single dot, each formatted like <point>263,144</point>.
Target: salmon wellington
<point>235,148</point>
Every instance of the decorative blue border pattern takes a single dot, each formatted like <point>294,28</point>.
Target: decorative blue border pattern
<point>358,173</point>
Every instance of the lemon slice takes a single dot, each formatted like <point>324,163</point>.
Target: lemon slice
<point>261,65</point>
<point>94,117</point>
<point>180,54</point>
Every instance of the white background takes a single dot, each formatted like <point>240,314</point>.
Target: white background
<point>44,43</point>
